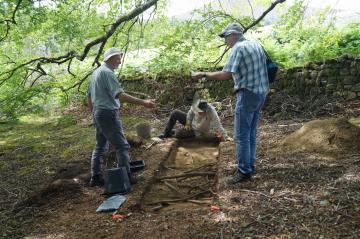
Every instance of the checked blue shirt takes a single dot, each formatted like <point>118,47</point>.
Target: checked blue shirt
<point>247,63</point>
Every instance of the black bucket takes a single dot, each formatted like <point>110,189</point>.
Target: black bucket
<point>117,181</point>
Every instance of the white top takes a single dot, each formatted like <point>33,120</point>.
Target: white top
<point>208,125</point>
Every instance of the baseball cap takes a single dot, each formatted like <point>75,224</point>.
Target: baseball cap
<point>199,106</point>
<point>112,51</point>
<point>231,28</point>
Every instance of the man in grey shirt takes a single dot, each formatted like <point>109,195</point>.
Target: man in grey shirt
<point>104,96</point>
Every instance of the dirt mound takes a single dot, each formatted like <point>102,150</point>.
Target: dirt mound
<point>328,135</point>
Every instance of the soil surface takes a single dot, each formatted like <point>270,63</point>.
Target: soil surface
<point>293,193</point>
<point>329,135</point>
<point>305,195</point>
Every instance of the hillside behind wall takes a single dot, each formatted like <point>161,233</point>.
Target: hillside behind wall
<point>337,77</point>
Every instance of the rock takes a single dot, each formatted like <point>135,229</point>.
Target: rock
<point>347,87</point>
<point>356,88</point>
<point>324,203</point>
<point>330,87</point>
<point>350,95</point>
<point>134,140</point>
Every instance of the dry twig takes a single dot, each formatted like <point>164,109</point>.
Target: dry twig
<point>187,175</point>
<point>180,199</point>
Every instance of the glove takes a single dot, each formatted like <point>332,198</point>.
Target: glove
<point>187,127</point>
<point>229,139</point>
<point>219,136</point>
<point>222,138</point>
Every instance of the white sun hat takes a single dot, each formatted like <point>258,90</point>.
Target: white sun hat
<point>112,51</point>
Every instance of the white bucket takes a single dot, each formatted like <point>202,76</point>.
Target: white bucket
<point>143,130</point>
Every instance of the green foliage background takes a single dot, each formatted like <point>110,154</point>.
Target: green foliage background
<point>158,45</point>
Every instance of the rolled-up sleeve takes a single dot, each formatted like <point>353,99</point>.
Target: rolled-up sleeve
<point>113,85</point>
<point>216,125</point>
<point>189,117</point>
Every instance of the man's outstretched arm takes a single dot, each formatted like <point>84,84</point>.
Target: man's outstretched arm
<point>217,75</point>
<point>133,100</point>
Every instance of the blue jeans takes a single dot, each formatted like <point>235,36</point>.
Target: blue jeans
<point>109,130</point>
<point>247,113</point>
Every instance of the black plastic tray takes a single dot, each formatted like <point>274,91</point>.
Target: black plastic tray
<point>137,165</point>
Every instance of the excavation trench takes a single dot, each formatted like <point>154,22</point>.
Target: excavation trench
<point>185,179</point>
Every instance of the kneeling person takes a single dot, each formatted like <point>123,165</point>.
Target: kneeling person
<point>201,121</point>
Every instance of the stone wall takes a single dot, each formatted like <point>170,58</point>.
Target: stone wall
<point>166,89</point>
<point>339,77</point>
<point>178,90</point>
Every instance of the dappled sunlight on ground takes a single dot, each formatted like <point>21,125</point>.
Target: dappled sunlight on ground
<point>47,236</point>
<point>37,119</point>
<point>355,121</point>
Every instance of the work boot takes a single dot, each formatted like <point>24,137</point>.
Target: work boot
<point>239,178</point>
<point>96,180</point>
<point>163,136</point>
<point>135,179</point>
<point>236,170</point>
<point>167,135</point>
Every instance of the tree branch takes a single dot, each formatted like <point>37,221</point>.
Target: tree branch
<point>272,6</point>
<point>11,20</point>
<point>70,55</point>
<point>38,77</point>
<point>69,66</point>
<point>224,15</point>
<point>252,9</point>
<point>41,60</point>
<point>126,45</point>
<point>187,175</point>
<point>78,84</point>
<point>114,26</point>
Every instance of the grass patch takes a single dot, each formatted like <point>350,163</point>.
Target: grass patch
<point>66,121</point>
<point>32,151</point>
<point>129,121</point>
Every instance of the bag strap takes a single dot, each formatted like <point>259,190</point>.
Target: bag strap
<point>266,53</point>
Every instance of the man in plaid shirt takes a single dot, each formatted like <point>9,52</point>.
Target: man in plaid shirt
<point>247,67</point>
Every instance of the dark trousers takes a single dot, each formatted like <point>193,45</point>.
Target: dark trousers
<point>177,116</point>
<point>109,130</point>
